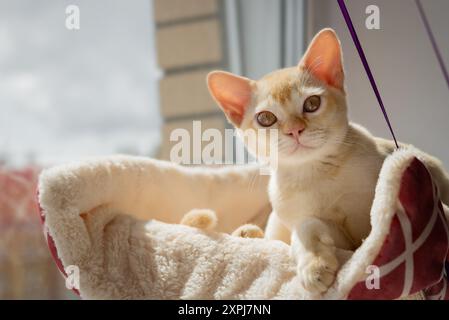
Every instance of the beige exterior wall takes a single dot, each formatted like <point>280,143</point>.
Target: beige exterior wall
<point>190,43</point>
<point>206,123</point>
<point>186,94</point>
<point>167,11</point>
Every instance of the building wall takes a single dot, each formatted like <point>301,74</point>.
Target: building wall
<point>190,41</point>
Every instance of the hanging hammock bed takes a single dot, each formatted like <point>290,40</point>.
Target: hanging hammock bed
<point>116,220</point>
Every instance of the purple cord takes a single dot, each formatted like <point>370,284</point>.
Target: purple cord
<point>357,44</point>
<point>432,40</point>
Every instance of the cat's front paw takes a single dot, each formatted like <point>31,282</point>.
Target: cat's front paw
<point>318,272</point>
<point>200,218</point>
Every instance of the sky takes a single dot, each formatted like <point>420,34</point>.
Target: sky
<point>69,94</point>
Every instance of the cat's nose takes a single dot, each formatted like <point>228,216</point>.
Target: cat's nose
<point>295,132</point>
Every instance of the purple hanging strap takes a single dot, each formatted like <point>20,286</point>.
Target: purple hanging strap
<point>432,40</point>
<point>359,48</point>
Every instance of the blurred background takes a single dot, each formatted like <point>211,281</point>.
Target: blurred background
<point>135,70</point>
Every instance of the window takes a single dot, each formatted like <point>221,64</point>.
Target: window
<point>67,94</point>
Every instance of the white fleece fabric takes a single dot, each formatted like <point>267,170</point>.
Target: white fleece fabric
<point>116,219</point>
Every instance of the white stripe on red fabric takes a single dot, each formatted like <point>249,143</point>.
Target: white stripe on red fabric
<point>409,267</point>
<point>393,264</point>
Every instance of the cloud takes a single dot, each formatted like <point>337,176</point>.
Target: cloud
<point>77,93</point>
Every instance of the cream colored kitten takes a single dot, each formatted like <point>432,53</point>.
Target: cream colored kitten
<point>323,186</point>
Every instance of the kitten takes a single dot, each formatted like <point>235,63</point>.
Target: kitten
<point>327,170</point>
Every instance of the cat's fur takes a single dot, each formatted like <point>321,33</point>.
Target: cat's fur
<point>323,186</point>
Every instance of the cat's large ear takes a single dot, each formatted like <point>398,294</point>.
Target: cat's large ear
<point>232,93</point>
<point>323,59</point>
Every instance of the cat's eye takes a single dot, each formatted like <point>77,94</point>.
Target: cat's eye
<point>266,118</point>
<point>312,104</point>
